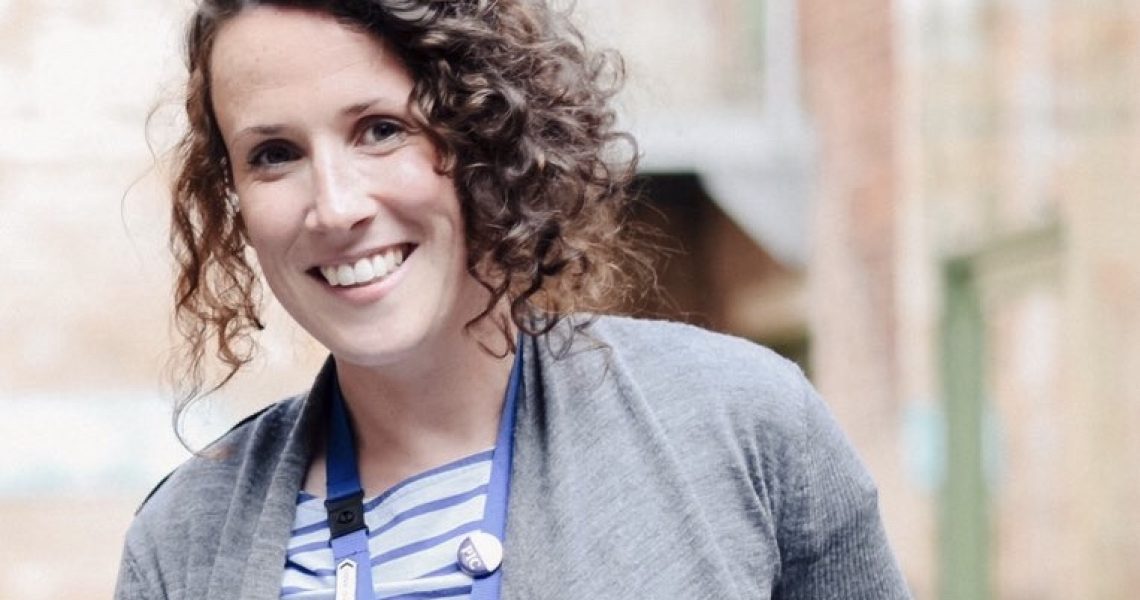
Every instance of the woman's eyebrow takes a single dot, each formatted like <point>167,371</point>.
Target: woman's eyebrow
<point>352,110</point>
<point>360,107</point>
<point>260,130</point>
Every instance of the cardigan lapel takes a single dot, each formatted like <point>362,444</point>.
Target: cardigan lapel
<point>269,531</point>
<point>599,507</point>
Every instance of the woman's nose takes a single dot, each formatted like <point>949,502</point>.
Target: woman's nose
<point>339,201</point>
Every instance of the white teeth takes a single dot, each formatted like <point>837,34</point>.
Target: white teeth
<point>379,265</point>
<point>345,275</point>
<point>364,270</point>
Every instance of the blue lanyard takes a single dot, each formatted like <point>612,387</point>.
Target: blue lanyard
<point>345,498</point>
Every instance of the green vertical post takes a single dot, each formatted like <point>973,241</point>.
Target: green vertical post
<point>964,525</point>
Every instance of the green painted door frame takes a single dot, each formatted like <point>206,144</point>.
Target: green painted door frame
<point>975,284</point>
<point>964,522</point>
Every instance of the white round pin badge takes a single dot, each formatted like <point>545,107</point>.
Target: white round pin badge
<point>480,554</point>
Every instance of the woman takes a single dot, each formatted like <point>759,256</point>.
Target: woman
<point>430,191</point>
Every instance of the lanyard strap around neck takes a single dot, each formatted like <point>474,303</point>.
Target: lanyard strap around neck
<point>345,497</point>
<point>345,504</point>
<point>498,490</point>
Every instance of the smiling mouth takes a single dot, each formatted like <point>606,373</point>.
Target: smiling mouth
<point>364,271</point>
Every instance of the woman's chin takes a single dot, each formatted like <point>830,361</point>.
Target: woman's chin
<point>387,353</point>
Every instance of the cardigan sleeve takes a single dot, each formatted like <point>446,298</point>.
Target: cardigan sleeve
<point>832,541</point>
<point>132,582</point>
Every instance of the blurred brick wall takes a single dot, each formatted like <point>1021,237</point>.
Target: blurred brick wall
<point>1007,134</point>
<point>1030,121</point>
<point>1095,55</point>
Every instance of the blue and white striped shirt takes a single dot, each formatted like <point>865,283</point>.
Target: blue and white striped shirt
<point>414,531</point>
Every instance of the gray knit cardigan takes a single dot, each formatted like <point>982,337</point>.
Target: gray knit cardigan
<point>652,461</point>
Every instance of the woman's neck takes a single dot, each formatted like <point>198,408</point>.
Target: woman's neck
<point>427,413</point>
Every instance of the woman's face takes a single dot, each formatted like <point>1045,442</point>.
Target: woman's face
<point>358,236</point>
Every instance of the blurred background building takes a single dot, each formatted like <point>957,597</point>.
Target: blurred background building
<point>930,205</point>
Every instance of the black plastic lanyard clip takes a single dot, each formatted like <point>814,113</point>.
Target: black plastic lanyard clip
<point>346,514</point>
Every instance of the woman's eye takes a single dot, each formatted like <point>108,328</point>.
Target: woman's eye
<point>379,132</point>
<point>271,155</point>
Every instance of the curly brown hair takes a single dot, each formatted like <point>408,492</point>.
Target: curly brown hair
<point>518,108</point>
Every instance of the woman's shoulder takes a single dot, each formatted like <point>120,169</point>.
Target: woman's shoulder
<point>207,481</point>
<point>218,506</point>
<point>687,358</point>
<point>693,382</point>
<point>680,340</point>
